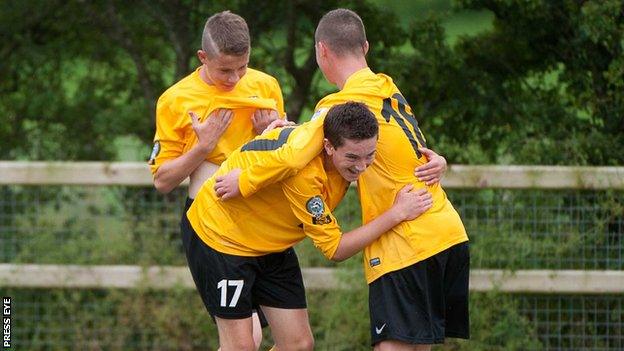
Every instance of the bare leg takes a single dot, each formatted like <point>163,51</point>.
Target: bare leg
<point>235,334</point>
<point>257,330</point>
<point>290,328</point>
<point>394,345</point>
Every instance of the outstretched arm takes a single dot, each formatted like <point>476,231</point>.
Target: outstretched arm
<point>302,145</point>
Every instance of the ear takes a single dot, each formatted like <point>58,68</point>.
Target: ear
<point>202,56</point>
<point>329,148</point>
<point>322,49</point>
<point>365,47</point>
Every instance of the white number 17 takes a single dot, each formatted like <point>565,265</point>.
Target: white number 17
<point>223,284</point>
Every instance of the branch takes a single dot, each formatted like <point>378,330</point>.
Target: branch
<point>120,34</point>
<point>175,18</point>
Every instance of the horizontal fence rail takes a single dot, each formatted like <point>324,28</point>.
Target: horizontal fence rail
<point>166,277</point>
<point>457,176</point>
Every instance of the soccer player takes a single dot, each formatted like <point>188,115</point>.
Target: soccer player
<point>202,118</point>
<point>418,271</point>
<point>241,250</point>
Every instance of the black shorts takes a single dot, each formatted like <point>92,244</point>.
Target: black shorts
<point>425,302</point>
<point>232,287</point>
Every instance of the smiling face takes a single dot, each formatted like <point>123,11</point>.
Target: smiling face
<point>351,158</point>
<point>223,71</point>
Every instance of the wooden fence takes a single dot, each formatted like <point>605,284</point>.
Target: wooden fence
<point>163,277</point>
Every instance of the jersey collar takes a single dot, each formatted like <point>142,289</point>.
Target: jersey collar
<point>354,80</point>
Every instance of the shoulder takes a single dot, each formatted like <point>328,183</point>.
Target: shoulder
<point>314,169</point>
<point>329,100</point>
<point>312,176</point>
<point>384,77</point>
<point>321,108</point>
<point>180,88</point>
<point>259,77</point>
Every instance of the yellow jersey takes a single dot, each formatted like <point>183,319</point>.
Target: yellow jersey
<point>174,131</point>
<point>276,217</point>
<point>396,158</point>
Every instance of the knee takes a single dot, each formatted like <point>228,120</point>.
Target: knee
<point>243,345</point>
<point>310,344</point>
<point>301,343</point>
<point>305,343</point>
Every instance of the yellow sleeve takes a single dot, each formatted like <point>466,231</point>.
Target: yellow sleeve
<point>169,140</point>
<point>276,94</point>
<point>303,144</point>
<point>310,207</point>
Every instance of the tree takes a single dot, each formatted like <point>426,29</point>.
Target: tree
<point>81,73</point>
<point>543,86</point>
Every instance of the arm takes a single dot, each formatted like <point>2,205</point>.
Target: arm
<point>171,173</point>
<point>408,205</point>
<point>303,192</point>
<point>303,144</point>
<point>432,171</point>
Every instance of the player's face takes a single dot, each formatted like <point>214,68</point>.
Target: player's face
<point>353,157</point>
<point>224,71</point>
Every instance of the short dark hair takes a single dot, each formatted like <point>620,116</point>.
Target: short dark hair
<point>343,31</point>
<point>225,33</point>
<point>352,121</point>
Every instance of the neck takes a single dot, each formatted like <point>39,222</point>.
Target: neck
<point>204,76</point>
<point>327,162</point>
<point>346,67</point>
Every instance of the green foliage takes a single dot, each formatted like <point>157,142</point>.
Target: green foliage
<point>93,226</point>
<point>508,229</point>
<point>533,229</point>
<point>112,320</point>
<point>177,320</point>
<point>339,318</point>
<point>536,76</point>
<point>496,324</point>
<point>546,75</point>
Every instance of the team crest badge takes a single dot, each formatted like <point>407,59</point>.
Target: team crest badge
<point>315,206</point>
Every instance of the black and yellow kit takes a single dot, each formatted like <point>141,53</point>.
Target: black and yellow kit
<point>397,156</point>
<point>277,217</point>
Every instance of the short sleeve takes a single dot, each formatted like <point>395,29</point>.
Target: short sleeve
<point>310,207</point>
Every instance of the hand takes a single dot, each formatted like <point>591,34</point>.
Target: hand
<point>410,204</point>
<point>226,186</point>
<point>278,123</point>
<point>209,131</point>
<point>262,118</point>
<point>432,171</point>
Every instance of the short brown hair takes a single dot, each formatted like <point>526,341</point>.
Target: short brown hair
<point>343,31</point>
<point>349,121</point>
<point>225,33</point>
